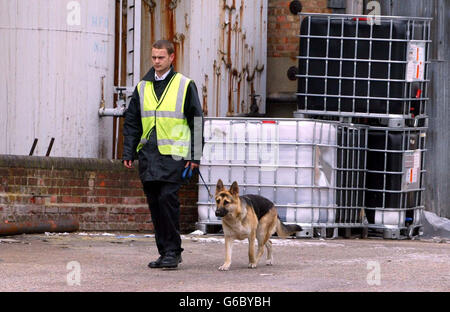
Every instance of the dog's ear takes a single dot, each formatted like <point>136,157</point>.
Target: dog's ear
<point>234,189</point>
<point>219,186</point>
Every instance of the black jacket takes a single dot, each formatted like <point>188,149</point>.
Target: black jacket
<point>152,165</point>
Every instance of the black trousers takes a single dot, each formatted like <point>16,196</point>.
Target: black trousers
<point>164,207</point>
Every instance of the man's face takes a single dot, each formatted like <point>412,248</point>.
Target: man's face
<point>161,60</point>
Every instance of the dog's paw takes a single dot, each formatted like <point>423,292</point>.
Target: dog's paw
<point>224,267</point>
<point>252,265</point>
<point>269,262</point>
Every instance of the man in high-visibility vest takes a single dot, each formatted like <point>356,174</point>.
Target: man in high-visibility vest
<point>164,127</point>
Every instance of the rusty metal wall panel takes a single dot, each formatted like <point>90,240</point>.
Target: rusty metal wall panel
<point>236,50</point>
<point>419,8</point>
<point>437,195</point>
<point>164,19</point>
<point>437,198</point>
<point>54,54</point>
<point>220,44</point>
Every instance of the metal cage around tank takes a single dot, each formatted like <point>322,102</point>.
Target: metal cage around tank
<point>363,66</point>
<point>395,180</point>
<point>314,171</point>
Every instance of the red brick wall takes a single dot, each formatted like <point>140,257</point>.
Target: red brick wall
<point>101,194</point>
<point>283,26</point>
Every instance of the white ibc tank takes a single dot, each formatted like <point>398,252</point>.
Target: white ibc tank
<point>291,162</point>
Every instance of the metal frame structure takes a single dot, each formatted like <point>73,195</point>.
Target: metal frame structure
<point>396,158</point>
<point>134,8</point>
<point>316,177</point>
<point>417,35</point>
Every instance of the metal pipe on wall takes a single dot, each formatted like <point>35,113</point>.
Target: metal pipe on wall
<point>39,226</point>
<point>112,112</point>
<point>119,78</point>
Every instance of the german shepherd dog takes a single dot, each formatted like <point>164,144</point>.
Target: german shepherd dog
<point>248,216</point>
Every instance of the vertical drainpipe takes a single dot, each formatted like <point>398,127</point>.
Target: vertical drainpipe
<point>119,78</point>
<point>137,41</point>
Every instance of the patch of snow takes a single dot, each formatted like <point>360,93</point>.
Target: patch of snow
<point>197,232</point>
<point>278,242</point>
<point>56,234</point>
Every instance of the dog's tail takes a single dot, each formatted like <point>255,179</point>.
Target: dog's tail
<point>285,230</point>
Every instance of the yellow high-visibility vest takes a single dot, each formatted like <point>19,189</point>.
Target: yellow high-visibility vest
<point>166,115</point>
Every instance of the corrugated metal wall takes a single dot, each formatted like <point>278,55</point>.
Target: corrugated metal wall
<point>165,19</point>
<point>221,44</point>
<point>53,55</point>
<point>437,164</point>
<point>56,52</point>
<point>236,54</point>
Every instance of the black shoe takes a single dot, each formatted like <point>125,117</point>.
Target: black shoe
<point>156,264</point>
<point>170,261</point>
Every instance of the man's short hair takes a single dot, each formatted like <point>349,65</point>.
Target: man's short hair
<point>164,44</point>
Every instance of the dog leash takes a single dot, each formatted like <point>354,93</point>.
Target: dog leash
<point>187,173</point>
<point>204,183</point>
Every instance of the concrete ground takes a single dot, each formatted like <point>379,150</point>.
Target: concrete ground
<point>98,262</point>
